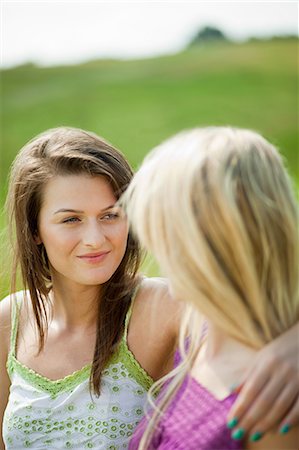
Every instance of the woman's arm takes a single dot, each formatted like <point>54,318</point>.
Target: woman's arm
<point>4,340</point>
<point>269,393</point>
<point>154,326</point>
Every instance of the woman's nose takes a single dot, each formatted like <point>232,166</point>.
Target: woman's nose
<point>93,235</point>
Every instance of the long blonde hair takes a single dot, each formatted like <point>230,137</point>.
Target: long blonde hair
<point>216,208</point>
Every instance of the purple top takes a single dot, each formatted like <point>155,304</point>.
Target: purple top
<point>194,420</point>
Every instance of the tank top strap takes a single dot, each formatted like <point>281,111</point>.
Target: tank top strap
<point>15,311</point>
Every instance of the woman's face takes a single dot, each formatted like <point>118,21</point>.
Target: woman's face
<point>84,234</point>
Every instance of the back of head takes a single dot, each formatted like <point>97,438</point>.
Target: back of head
<point>216,207</point>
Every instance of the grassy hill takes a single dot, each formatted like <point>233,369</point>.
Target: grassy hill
<point>136,104</point>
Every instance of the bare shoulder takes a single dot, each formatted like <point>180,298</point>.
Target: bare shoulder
<point>5,316</point>
<point>5,321</point>
<point>154,300</point>
<point>157,289</point>
<point>152,286</point>
<point>154,327</point>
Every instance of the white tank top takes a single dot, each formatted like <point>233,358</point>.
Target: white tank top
<point>45,414</point>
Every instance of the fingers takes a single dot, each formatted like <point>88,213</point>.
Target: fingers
<point>249,391</point>
<point>264,414</point>
<point>264,403</point>
<point>260,406</point>
<point>291,419</point>
<point>268,394</point>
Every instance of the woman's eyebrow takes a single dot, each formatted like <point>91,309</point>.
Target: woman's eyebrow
<point>110,207</point>
<point>70,210</point>
<point>64,210</point>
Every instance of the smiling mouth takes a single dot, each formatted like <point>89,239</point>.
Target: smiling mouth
<point>94,257</point>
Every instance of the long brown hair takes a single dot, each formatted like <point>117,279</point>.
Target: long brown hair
<point>65,151</point>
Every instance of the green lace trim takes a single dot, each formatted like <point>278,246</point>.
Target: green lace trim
<point>68,383</point>
<point>128,359</point>
<point>53,387</point>
<point>125,356</point>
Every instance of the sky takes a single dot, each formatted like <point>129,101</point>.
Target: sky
<point>67,32</point>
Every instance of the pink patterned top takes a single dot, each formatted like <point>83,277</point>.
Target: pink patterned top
<point>194,420</point>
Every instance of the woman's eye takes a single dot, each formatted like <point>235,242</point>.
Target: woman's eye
<point>110,216</point>
<point>71,220</point>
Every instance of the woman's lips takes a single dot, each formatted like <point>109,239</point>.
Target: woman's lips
<point>94,258</point>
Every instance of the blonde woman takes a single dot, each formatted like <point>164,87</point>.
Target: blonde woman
<point>216,208</point>
<point>82,344</point>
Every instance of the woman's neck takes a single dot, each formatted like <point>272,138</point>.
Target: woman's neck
<point>221,361</point>
<point>74,306</point>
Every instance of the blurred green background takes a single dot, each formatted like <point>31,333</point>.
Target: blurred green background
<point>136,104</point>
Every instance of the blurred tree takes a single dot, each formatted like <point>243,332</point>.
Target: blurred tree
<point>206,35</point>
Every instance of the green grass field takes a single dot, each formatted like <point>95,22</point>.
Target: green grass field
<point>136,104</point>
